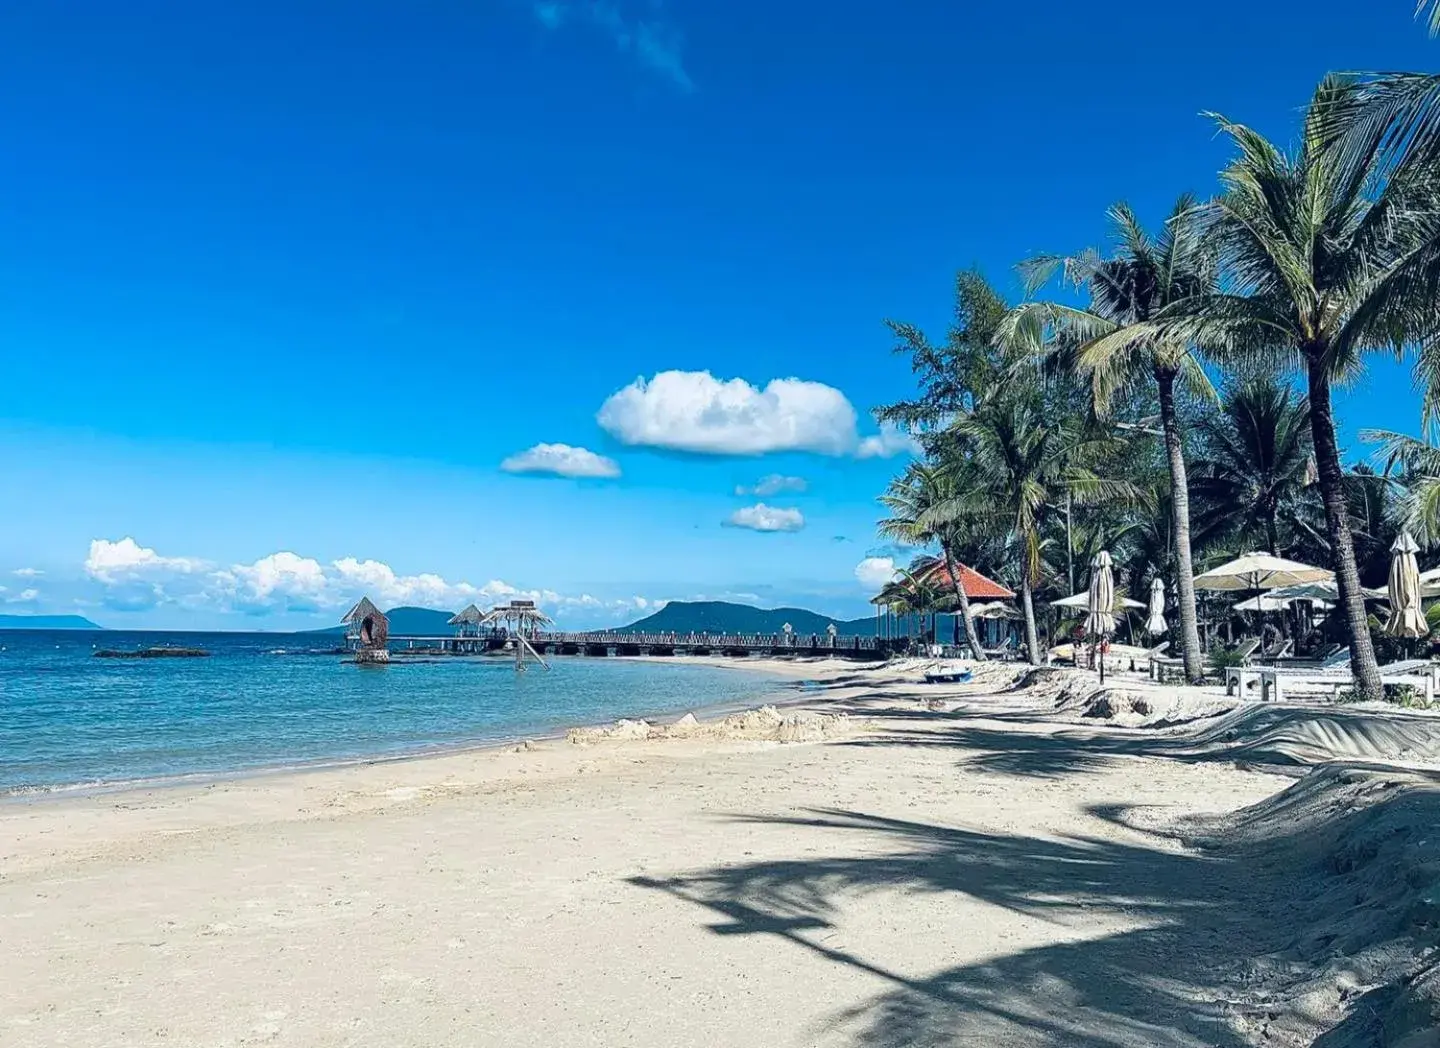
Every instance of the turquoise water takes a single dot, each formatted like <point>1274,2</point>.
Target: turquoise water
<point>270,700</point>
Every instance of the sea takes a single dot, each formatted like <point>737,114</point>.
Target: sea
<point>72,721</point>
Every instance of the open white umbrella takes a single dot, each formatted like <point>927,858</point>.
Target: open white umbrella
<point>1155,624</point>
<point>1279,600</point>
<point>1407,618</point>
<point>1260,571</point>
<point>1082,601</point>
<point>1430,583</point>
<point>1323,592</point>
<point>994,610</point>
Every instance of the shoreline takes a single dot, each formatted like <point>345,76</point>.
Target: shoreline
<point>782,670</point>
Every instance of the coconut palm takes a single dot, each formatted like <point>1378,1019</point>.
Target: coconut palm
<point>908,498</point>
<point>1021,458</point>
<point>1131,287</point>
<point>1329,253</point>
<point>1257,470</point>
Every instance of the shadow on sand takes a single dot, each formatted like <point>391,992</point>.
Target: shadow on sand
<point>1160,985</point>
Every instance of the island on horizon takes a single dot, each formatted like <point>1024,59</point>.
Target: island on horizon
<point>47,622</point>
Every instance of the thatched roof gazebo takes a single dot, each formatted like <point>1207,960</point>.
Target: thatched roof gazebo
<point>369,630</point>
<point>467,623</point>
<point>522,619</point>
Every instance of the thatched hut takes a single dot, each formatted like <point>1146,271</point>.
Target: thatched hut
<point>467,623</point>
<point>519,616</point>
<point>369,630</point>
<point>523,620</point>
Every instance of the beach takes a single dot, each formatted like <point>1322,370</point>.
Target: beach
<point>960,864</point>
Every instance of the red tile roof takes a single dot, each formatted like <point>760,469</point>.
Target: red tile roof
<point>977,586</point>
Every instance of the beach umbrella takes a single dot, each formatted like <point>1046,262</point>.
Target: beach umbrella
<point>994,610</point>
<point>1100,611</point>
<point>1406,617</point>
<point>1260,571</point>
<point>1430,583</point>
<point>1279,600</point>
<point>1082,602</point>
<point>1155,624</point>
<point>1321,592</point>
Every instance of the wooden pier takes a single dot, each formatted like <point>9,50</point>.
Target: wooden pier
<point>608,643</point>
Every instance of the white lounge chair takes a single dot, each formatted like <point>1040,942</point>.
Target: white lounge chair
<point>1240,678</point>
<point>1002,652</point>
<point>1421,674</point>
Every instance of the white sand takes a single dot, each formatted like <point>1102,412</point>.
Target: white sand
<point>952,867</point>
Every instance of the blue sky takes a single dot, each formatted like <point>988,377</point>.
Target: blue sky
<point>282,286</point>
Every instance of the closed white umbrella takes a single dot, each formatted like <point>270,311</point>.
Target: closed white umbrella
<point>1155,624</point>
<point>1100,613</point>
<point>1100,609</point>
<point>1407,619</point>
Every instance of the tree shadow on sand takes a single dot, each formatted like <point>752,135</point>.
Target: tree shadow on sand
<point>1162,984</point>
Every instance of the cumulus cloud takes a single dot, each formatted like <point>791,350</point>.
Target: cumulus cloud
<point>27,573</point>
<point>773,484</point>
<point>644,33</point>
<point>26,596</point>
<point>139,579</point>
<point>889,442</point>
<point>761,517</point>
<point>875,572</point>
<point>695,411</point>
<point>109,561</point>
<point>562,460</point>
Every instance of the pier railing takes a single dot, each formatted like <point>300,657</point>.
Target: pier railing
<point>607,642</point>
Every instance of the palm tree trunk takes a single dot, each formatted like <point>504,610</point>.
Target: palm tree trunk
<point>1032,639</point>
<point>1180,512</point>
<point>971,637</point>
<point>1347,577</point>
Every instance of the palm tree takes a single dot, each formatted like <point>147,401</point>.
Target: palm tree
<point>1329,253</point>
<point>1021,460</point>
<point>1419,464</point>
<point>1130,288</point>
<point>909,497</point>
<point>1258,466</point>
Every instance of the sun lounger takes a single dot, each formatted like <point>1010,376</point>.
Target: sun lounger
<point>1242,678</point>
<point>1420,674</point>
<point>1001,652</point>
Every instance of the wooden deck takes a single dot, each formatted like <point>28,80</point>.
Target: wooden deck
<point>606,643</point>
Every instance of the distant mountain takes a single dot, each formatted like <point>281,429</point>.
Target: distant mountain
<point>718,616</point>
<point>46,622</point>
<point>414,622</point>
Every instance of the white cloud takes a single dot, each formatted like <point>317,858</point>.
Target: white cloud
<point>27,573</point>
<point>646,33</point>
<point>27,596</point>
<point>773,484</point>
<point>875,572</point>
<point>561,460</point>
<point>889,442</point>
<point>109,561</point>
<point>761,517</point>
<point>694,411</point>
<point>289,582</point>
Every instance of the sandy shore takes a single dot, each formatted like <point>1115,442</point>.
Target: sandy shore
<point>952,865</point>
